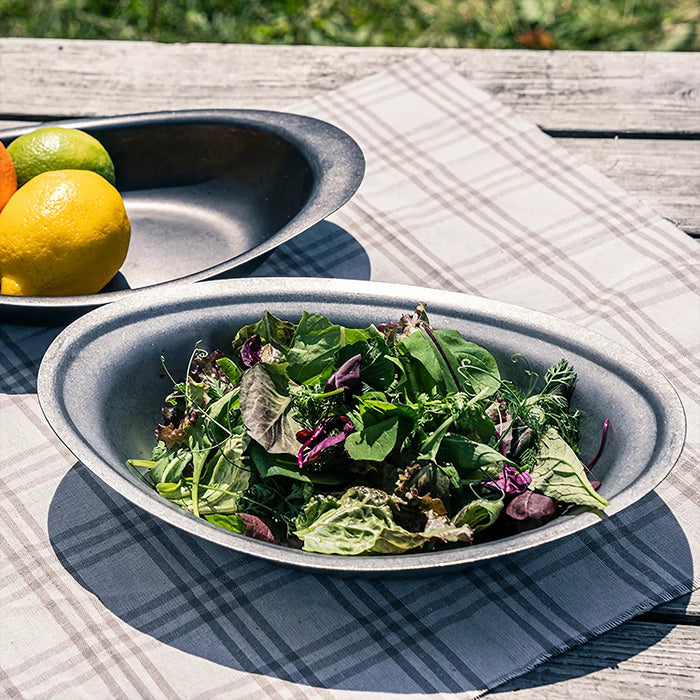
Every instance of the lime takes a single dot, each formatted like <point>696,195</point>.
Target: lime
<point>57,148</point>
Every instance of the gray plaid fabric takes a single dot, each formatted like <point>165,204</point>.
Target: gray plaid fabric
<point>101,600</point>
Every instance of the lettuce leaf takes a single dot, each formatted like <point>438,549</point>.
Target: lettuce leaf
<point>313,349</point>
<point>265,404</point>
<point>363,523</point>
<point>560,474</point>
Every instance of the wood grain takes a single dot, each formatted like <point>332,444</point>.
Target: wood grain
<point>683,610</point>
<point>663,173</point>
<point>560,90</point>
<point>618,664</point>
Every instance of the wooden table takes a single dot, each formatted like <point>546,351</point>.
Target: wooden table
<point>633,116</point>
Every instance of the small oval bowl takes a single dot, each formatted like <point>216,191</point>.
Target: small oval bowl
<point>207,192</point>
<point>101,386</point>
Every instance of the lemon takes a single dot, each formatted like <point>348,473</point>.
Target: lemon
<point>65,232</point>
<point>57,148</point>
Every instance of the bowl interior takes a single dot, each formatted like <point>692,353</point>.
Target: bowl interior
<point>200,194</point>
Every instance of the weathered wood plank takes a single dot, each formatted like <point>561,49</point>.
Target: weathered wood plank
<point>663,173</point>
<point>618,664</point>
<point>683,610</point>
<point>558,90</point>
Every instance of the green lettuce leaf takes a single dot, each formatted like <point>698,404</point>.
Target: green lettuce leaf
<point>560,474</point>
<point>228,522</point>
<point>363,523</point>
<point>313,349</point>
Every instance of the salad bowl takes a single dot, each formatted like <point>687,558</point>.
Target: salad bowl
<point>101,386</point>
<point>207,193</point>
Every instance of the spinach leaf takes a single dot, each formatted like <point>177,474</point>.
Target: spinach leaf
<point>229,369</point>
<point>264,461</point>
<point>474,366</point>
<point>313,348</point>
<point>221,416</point>
<point>373,442</point>
<point>560,474</point>
<point>472,459</point>
<point>420,347</point>
<point>452,362</point>
<point>379,368</point>
<point>265,403</point>
<point>269,327</point>
<point>431,445</point>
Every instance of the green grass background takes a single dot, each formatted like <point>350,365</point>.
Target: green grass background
<point>617,25</point>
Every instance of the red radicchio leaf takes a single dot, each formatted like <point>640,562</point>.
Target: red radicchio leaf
<point>251,352</point>
<point>256,528</point>
<point>510,481</point>
<point>530,505</point>
<point>320,440</point>
<point>347,376</point>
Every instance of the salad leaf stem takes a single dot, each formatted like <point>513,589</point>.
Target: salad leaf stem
<point>328,394</point>
<point>603,440</point>
<point>442,354</point>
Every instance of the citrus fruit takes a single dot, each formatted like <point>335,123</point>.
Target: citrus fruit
<point>8,177</point>
<point>57,148</point>
<point>65,232</point>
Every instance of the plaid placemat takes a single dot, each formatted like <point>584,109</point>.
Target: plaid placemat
<point>100,600</point>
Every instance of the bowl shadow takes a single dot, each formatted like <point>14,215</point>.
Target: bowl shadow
<point>438,634</point>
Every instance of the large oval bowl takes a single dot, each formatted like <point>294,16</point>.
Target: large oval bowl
<point>101,386</point>
<point>207,193</point>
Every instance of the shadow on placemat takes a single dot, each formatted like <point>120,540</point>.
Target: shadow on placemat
<point>324,250</point>
<point>458,632</point>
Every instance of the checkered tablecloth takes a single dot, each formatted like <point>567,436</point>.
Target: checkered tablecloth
<point>101,600</point>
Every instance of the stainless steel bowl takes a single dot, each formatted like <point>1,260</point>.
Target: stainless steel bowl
<point>207,193</point>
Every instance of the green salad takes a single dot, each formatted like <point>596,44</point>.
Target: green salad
<point>399,437</point>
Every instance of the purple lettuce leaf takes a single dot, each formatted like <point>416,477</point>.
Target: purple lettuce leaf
<point>251,351</point>
<point>347,376</point>
<point>323,437</point>
<point>530,505</point>
<point>510,481</point>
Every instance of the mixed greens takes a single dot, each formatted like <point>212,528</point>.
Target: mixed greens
<point>381,440</point>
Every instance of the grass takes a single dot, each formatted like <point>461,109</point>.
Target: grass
<point>615,25</point>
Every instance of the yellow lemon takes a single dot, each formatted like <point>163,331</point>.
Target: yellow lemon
<point>58,148</point>
<point>65,232</point>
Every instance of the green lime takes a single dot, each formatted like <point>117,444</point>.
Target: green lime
<point>57,148</point>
